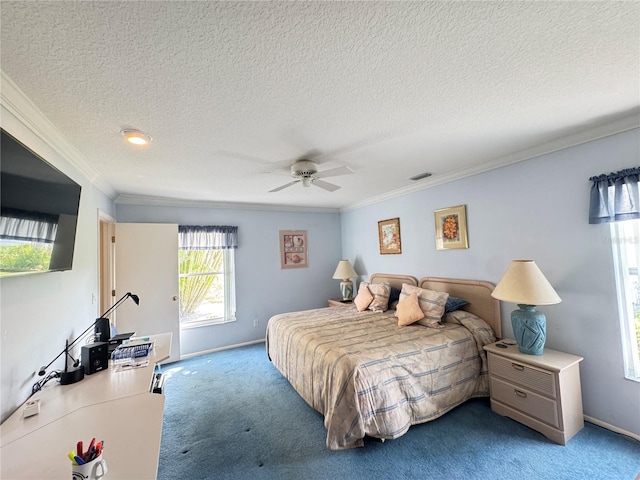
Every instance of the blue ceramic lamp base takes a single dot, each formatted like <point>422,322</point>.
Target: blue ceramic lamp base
<point>530,329</point>
<point>346,287</point>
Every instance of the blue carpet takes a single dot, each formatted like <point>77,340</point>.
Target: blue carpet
<point>231,415</point>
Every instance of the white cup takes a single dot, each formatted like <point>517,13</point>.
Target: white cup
<point>93,470</point>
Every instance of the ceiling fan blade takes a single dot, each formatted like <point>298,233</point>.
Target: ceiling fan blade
<point>330,187</point>
<point>334,172</point>
<point>282,187</point>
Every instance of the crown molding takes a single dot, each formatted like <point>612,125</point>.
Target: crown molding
<point>19,105</point>
<point>585,135</point>
<point>176,202</point>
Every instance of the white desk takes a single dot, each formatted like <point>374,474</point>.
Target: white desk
<point>114,406</point>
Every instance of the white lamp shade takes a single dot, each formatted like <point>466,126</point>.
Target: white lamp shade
<point>523,283</point>
<point>344,271</point>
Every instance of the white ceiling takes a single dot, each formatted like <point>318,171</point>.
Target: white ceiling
<point>231,90</point>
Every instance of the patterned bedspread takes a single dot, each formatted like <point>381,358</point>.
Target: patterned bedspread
<point>368,376</point>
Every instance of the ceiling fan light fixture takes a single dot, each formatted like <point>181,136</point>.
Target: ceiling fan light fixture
<point>303,168</point>
<point>135,137</point>
<point>306,173</point>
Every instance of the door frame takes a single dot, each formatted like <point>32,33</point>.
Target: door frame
<point>106,262</point>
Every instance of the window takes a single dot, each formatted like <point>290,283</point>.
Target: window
<point>206,275</point>
<point>26,241</point>
<point>625,238</point>
<point>615,199</point>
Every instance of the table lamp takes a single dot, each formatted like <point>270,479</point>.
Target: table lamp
<point>524,284</point>
<point>75,373</point>
<point>344,272</point>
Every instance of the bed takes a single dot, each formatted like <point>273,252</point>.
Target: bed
<point>371,377</point>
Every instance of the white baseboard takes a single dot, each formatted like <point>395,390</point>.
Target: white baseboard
<point>228,347</point>
<point>611,427</point>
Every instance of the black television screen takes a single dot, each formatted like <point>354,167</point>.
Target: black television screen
<point>38,212</point>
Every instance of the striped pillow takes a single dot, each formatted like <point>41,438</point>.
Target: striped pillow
<point>431,303</point>
<point>381,293</point>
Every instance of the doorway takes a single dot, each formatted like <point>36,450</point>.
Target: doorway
<point>106,261</point>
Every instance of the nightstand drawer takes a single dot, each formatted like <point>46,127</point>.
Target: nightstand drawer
<point>535,379</point>
<point>526,401</point>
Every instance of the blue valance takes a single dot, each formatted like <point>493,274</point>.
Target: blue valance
<point>21,225</point>
<point>614,197</point>
<point>215,237</point>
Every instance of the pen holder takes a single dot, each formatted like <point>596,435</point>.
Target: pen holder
<point>93,470</point>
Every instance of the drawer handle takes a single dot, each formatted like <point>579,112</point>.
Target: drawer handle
<point>520,393</point>
<point>517,367</point>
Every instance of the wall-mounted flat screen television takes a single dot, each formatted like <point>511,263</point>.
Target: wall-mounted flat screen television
<point>38,212</point>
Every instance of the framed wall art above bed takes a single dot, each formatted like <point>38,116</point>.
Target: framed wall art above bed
<point>294,252</point>
<point>389,236</point>
<point>451,228</point>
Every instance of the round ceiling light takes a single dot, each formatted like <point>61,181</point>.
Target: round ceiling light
<point>136,137</point>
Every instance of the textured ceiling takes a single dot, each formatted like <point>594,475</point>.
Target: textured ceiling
<point>231,90</point>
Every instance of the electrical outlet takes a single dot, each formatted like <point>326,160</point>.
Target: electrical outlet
<point>255,322</point>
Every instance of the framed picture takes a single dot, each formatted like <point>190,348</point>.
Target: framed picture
<point>451,228</point>
<point>389,236</point>
<point>293,249</point>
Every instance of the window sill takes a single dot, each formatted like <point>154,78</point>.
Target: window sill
<point>205,323</point>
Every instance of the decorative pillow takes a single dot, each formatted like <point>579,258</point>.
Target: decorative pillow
<point>380,292</point>
<point>408,310</point>
<point>364,297</point>
<point>453,304</point>
<point>431,303</point>
<point>394,296</point>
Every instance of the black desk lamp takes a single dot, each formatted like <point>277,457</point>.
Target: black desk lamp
<point>103,329</point>
<point>76,372</point>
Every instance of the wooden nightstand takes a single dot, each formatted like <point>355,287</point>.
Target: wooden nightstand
<point>540,391</point>
<point>338,302</point>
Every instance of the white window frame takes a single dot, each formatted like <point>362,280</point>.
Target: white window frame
<point>623,236</point>
<point>229,286</point>
<point>228,260</point>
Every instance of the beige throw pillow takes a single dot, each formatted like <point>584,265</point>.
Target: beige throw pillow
<point>364,297</point>
<point>431,303</point>
<point>408,310</point>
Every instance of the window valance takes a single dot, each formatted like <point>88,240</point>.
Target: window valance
<point>614,197</point>
<point>215,237</point>
<point>28,226</point>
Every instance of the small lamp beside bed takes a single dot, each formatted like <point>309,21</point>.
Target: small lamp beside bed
<point>345,272</point>
<point>524,284</point>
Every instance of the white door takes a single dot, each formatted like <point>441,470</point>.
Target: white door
<point>147,266</point>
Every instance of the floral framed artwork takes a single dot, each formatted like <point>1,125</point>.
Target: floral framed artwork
<point>451,228</point>
<point>293,249</point>
<point>389,236</point>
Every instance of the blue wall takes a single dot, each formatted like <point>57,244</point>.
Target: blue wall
<point>263,289</point>
<point>536,209</point>
<point>39,311</point>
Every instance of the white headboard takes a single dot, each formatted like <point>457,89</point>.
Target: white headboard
<point>476,292</point>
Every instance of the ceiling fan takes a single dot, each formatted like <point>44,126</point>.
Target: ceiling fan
<point>306,172</point>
